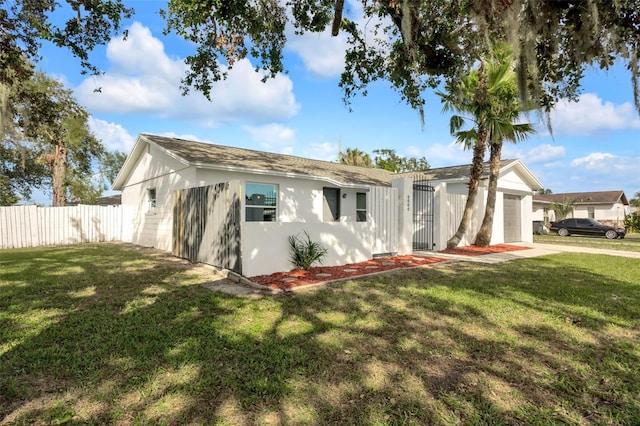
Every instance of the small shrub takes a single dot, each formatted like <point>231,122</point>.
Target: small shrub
<point>632,222</point>
<point>304,252</point>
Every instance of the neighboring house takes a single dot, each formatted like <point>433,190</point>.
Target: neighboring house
<point>109,200</point>
<point>242,205</point>
<point>607,207</point>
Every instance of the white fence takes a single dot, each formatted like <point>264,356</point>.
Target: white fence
<point>32,226</point>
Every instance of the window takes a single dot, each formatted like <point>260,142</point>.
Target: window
<point>361,206</point>
<point>331,206</point>
<point>591,213</point>
<point>261,202</point>
<point>151,198</point>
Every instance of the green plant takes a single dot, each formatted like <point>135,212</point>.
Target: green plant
<point>632,222</point>
<point>564,208</point>
<point>305,252</point>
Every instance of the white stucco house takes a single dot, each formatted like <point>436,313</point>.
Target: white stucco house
<point>607,207</point>
<point>195,199</point>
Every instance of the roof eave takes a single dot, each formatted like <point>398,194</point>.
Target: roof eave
<point>134,155</point>
<point>128,164</point>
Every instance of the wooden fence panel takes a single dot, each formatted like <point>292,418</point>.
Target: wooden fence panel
<point>32,226</point>
<point>206,225</point>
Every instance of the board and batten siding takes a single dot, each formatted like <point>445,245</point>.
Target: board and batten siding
<point>206,225</point>
<point>384,217</point>
<point>33,226</point>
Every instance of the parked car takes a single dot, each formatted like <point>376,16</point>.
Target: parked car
<point>586,227</point>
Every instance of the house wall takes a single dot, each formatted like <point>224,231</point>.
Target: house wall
<point>265,245</point>
<point>300,208</point>
<point>146,225</point>
<point>609,214</point>
<point>299,200</point>
<point>605,213</point>
<point>450,200</point>
<point>497,232</point>
<point>527,222</point>
<point>538,214</point>
<point>512,182</point>
<point>404,186</point>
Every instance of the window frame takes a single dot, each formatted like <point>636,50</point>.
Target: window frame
<point>152,198</point>
<point>329,215</point>
<point>254,207</point>
<point>361,210</point>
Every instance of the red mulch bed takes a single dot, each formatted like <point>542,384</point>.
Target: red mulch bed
<point>300,277</point>
<point>479,251</point>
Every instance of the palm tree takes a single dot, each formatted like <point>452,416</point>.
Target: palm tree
<point>355,157</point>
<point>506,112</point>
<point>563,209</point>
<point>544,191</point>
<point>476,95</point>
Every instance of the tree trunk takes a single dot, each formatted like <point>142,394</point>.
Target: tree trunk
<point>483,238</point>
<point>481,96</point>
<point>59,174</point>
<point>474,181</point>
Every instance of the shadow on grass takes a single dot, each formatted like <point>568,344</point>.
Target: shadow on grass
<point>108,333</point>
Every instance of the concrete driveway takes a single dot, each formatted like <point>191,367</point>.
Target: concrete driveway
<point>538,249</point>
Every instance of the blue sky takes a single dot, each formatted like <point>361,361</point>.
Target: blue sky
<point>595,145</point>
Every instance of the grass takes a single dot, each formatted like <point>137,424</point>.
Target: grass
<point>98,334</point>
<point>630,243</point>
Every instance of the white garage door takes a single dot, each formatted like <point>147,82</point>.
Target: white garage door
<point>512,218</point>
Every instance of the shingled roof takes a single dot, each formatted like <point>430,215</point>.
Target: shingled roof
<point>453,172</point>
<point>199,153</point>
<point>598,197</point>
<point>202,154</point>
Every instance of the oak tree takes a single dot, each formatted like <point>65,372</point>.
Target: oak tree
<point>76,25</point>
<point>418,44</point>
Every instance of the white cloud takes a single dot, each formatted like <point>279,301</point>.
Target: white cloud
<point>542,154</point>
<point>441,155</point>
<point>593,161</point>
<point>327,151</point>
<point>323,54</point>
<point>113,136</point>
<point>591,114</point>
<point>413,151</point>
<point>591,173</point>
<point>143,79</point>
<point>185,136</point>
<point>594,172</point>
<point>273,137</point>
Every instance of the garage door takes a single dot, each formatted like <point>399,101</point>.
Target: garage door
<point>512,218</point>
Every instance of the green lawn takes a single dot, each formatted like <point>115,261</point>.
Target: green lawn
<point>630,243</point>
<point>112,334</point>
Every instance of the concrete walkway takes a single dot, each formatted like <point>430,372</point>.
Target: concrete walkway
<point>536,250</point>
